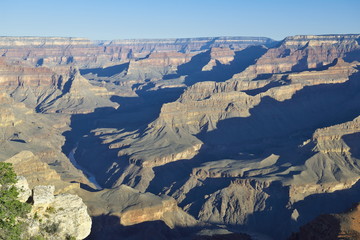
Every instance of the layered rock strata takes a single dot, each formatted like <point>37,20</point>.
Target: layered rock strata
<point>299,53</point>
<point>52,51</point>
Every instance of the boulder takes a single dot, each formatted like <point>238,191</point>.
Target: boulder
<point>71,216</point>
<point>58,217</point>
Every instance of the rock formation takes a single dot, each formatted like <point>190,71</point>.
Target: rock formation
<point>58,216</point>
<point>133,207</point>
<point>53,217</point>
<point>47,91</point>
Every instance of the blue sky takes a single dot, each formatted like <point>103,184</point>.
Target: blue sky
<point>117,19</point>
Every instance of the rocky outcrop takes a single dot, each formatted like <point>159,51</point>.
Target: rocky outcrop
<point>137,208</point>
<point>331,145</point>
<point>36,172</point>
<point>28,165</point>
<point>43,195</point>
<point>8,116</point>
<point>57,217</point>
<point>23,189</point>
<point>233,204</point>
<point>299,191</point>
<point>132,207</point>
<point>72,214</point>
<point>61,216</point>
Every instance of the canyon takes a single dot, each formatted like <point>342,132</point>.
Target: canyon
<point>197,138</point>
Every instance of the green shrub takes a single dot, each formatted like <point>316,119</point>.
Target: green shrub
<point>69,237</point>
<point>38,237</point>
<point>10,208</point>
<point>52,228</point>
<point>51,210</point>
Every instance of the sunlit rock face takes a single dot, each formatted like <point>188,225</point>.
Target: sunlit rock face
<point>299,53</point>
<point>65,213</point>
<point>60,89</point>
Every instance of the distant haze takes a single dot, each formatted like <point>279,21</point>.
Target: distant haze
<point>118,19</point>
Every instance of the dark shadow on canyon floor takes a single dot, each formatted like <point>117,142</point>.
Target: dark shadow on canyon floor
<point>335,202</point>
<point>107,71</point>
<point>353,56</point>
<point>220,72</point>
<point>134,113</point>
<point>353,140</point>
<point>106,227</point>
<point>273,127</point>
<point>277,125</point>
<point>268,86</point>
<point>325,227</point>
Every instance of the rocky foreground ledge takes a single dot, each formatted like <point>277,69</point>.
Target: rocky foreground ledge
<point>57,217</point>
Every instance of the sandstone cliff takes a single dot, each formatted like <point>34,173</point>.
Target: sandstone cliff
<point>28,165</point>
<point>299,53</point>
